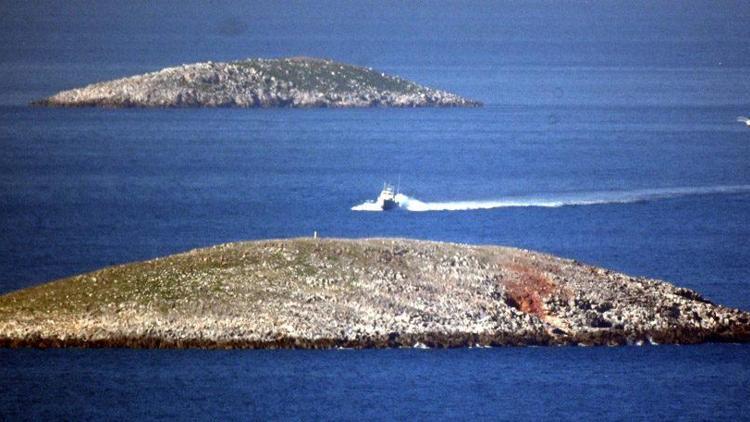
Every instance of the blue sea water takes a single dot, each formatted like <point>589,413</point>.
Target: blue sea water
<point>609,136</point>
<point>649,383</point>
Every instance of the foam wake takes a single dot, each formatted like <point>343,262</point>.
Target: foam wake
<point>556,200</point>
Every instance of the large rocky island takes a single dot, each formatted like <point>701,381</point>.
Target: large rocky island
<point>291,82</point>
<point>325,293</point>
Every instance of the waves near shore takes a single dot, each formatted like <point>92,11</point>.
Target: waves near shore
<point>557,200</point>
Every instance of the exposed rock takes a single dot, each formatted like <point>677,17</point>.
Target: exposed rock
<point>292,82</point>
<point>323,293</point>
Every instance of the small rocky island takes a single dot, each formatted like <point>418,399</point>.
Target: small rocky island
<point>328,293</point>
<point>290,82</point>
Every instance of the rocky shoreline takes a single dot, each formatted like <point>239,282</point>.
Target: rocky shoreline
<point>368,293</point>
<point>298,82</point>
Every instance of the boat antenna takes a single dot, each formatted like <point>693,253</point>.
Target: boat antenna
<point>398,185</point>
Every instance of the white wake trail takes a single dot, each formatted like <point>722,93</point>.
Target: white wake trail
<point>557,200</point>
<point>368,206</point>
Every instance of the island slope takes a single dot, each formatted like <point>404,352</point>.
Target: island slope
<point>324,293</point>
<point>290,82</point>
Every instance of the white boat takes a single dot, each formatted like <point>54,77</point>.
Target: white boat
<point>387,197</point>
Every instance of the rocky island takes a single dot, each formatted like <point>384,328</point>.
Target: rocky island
<point>290,82</point>
<point>327,293</point>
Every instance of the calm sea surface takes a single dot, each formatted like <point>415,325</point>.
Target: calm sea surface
<point>609,136</point>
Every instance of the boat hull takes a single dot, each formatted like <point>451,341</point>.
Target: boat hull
<point>389,204</point>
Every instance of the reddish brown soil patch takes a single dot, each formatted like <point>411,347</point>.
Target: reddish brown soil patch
<point>527,288</point>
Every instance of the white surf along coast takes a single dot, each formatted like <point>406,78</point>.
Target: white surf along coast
<point>556,200</point>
